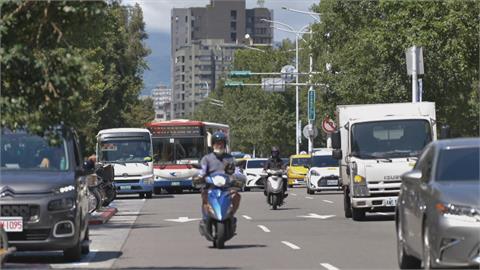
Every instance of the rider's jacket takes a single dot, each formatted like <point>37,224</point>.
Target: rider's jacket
<point>213,163</point>
<point>274,164</point>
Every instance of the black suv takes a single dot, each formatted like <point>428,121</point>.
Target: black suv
<point>43,193</point>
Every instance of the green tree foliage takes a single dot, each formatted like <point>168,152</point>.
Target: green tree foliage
<point>257,119</point>
<point>77,63</point>
<point>365,43</point>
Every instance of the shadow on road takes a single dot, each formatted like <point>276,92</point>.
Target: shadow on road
<point>35,260</point>
<point>240,246</point>
<point>185,267</point>
<point>378,217</point>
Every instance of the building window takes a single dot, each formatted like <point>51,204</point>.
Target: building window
<point>186,18</point>
<point>233,15</point>
<point>233,26</point>
<point>233,37</point>
<point>183,96</point>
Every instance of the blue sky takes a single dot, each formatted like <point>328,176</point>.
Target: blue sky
<point>157,19</point>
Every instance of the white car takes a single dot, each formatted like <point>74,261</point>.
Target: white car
<point>253,169</point>
<point>323,173</point>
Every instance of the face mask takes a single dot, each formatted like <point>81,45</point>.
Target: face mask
<point>219,150</point>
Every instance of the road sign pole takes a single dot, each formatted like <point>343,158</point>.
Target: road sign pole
<point>414,74</point>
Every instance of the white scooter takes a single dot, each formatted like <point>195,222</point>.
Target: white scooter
<point>274,187</point>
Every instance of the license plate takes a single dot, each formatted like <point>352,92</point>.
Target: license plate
<point>175,184</point>
<point>125,187</point>
<point>332,182</point>
<point>12,224</point>
<point>391,202</point>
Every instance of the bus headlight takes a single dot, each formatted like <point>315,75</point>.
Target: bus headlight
<point>148,180</point>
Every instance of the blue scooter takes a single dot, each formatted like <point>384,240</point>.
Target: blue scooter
<point>218,224</point>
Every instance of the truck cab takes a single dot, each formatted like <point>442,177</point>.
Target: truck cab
<point>376,144</point>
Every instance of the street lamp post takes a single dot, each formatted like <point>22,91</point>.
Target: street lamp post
<point>297,35</point>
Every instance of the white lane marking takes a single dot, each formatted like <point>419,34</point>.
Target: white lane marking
<point>265,229</point>
<point>329,266</point>
<point>327,201</point>
<point>292,246</point>
<point>293,194</point>
<point>310,198</point>
<point>383,214</point>
<point>247,217</point>
<point>313,215</point>
<point>143,199</point>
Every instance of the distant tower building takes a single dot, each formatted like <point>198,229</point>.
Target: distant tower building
<point>203,43</point>
<point>162,99</point>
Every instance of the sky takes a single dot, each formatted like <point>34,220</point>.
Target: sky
<point>156,15</point>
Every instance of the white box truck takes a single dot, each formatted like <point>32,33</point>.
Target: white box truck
<point>376,144</point>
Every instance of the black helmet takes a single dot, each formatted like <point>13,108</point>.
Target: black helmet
<point>275,152</point>
<point>219,136</point>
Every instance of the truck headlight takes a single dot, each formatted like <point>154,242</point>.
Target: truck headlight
<point>359,180</point>
<point>360,188</point>
<point>61,204</point>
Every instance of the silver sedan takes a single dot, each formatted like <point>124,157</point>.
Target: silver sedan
<point>438,212</point>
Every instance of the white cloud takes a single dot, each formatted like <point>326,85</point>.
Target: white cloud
<point>157,12</point>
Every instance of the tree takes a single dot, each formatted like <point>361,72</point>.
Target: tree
<point>365,43</point>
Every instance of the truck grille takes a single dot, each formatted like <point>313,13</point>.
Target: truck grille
<point>29,235</point>
<point>20,210</point>
<point>383,187</point>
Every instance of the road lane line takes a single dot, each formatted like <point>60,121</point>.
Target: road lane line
<point>383,214</point>
<point>310,198</point>
<point>290,245</point>
<point>329,266</point>
<point>247,217</point>
<point>327,201</point>
<point>265,229</point>
<point>293,194</point>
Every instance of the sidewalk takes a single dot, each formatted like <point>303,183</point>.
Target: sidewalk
<point>103,215</point>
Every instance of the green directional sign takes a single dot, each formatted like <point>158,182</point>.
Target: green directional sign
<point>240,73</point>
<point>233,84</point>
<point>311,104</point>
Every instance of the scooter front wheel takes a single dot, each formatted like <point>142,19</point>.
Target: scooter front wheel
<point>275,201</point>
<point>220,236</point>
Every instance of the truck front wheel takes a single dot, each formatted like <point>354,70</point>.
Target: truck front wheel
<point>358,214</point>
<point>346,203</point>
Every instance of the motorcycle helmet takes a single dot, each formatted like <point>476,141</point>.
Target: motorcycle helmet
<point>219,137</point>
<point>275,152</point>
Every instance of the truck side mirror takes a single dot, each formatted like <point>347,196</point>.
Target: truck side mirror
<point>337,154</point>
<point>336,142</point>
<point>444,132</point>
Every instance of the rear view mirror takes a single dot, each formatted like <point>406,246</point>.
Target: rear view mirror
<point>445,132</point>
<point>336,141</point>
<point>412,176</point>
<point>337,154</point>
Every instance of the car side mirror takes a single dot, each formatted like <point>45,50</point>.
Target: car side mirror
<point>445,132</point>
<point>412,176</point>
<point>337,154</point>
<point>336,141</point>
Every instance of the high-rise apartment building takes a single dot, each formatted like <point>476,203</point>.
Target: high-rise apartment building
<point>203,43</point>
<point>162,99</point>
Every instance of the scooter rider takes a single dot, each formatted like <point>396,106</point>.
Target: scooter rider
<point>276,163</point>
<point>218,162</point>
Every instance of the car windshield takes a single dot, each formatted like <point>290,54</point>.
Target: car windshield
<point>255,164</point>
<point>178,150</point>
<point>390,139</point>
<point>300,161</point>
<point>459,164</point>
<point>124,151</point>
<point>22,151</point>
<point>324,161</point>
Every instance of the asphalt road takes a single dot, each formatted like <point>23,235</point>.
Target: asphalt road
<point>308,232</point>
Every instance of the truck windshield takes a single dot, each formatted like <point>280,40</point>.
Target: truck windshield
<point>124,151</point>
<point>178,150</point>
<point>22,151</point>
<point>324,161</point>
<point>390,139</point>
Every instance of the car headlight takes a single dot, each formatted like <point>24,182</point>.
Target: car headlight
<point>314,173</point>
<point>457,210</point>
<point>148,180</point>
<point>61,204</point>
<point>64,189</point>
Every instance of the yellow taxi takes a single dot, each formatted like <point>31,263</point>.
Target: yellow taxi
<point>298,169</point>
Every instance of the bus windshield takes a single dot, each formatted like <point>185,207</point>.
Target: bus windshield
<point>124,151</point>
<point>390,139</point>
<point>178,150</point>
